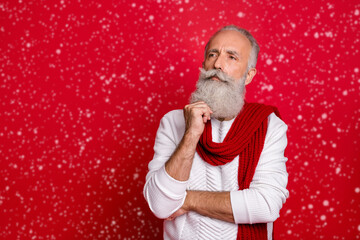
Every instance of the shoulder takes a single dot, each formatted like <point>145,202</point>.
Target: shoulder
<point>276,128</point>
<point>173,123</point>
<point>174,114</point>
<point>174,117</point>
<point>275,122</point>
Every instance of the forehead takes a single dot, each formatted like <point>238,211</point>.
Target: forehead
<point>230,40</point>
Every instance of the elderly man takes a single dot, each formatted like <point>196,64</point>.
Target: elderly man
<point>219,170</point>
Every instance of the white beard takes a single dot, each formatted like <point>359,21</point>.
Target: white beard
<point>225,97</point>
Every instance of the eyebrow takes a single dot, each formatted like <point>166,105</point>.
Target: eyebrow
<point>213,51</point>
<point>232,52</point>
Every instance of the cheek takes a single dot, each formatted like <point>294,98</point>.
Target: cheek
<point>207,65</point>
<point>237,72</point>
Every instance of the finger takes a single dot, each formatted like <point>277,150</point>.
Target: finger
<point>207,116</point>
<point>198,109</point>
<point>198,102</point>
<point>205,119</point>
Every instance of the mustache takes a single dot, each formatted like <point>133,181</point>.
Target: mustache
<point>208,74</point>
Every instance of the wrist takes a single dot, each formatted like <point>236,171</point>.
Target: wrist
<point>191,137</point>
<point>188,202</point>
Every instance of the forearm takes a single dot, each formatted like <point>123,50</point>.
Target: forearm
<point>166,182</point>
<point>210,204</point>
<point>165,190</point>
<point>179,165</point>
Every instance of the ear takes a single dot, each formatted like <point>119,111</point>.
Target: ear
<point>250,75</point>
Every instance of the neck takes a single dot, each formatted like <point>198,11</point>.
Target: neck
<point>225,119</point>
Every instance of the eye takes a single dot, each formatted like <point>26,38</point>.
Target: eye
<point>211,55</point>
<point>232,57</point>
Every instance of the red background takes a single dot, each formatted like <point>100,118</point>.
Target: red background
<point>84,85</point>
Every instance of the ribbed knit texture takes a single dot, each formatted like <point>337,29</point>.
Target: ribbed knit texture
<point>245,139</point>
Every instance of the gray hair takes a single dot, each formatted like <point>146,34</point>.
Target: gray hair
<point>254,45</point>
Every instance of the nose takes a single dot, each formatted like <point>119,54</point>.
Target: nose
<point>219,64</point>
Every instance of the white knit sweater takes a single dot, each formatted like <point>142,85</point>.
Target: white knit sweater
<point>260,203</point>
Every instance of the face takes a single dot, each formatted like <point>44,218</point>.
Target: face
<point>225,98</point>
<point>229,52</point>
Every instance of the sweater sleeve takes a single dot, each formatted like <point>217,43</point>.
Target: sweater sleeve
<point>164,194</point>
<point>262,201</point>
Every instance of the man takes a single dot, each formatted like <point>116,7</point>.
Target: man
<point>218,170</point>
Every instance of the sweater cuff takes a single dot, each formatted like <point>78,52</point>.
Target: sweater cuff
<point>171,187</point>
<point>239,207</point>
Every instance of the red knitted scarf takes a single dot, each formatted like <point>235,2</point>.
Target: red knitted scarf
<point>245,139</point>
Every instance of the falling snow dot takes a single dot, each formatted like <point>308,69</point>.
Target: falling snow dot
<point>356,70</point>
<point>151,17</point>
<point>357,12</point>
<point>299,117</point>
<point>323,217</point>
<point>306,163</point>
<point>316,35</point>
<point>338,170</point>
<point>345,93</point>
<point>357,190</point>
<point>28,45</point>
<point>241,14</point>
<point>58,51</point>
<point>40,168</point>
<point>268,61</point>
<point>359,228</point>
<point>310,206</point>
<point>326,203</point>
<point>181,9</point>
<point>19,133</point>
<point>289,232</point>
<point>324,116</point>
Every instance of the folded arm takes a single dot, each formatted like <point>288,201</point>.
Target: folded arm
<point>267,192</point>
<point>167,196</point>
<point>165,187</point>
